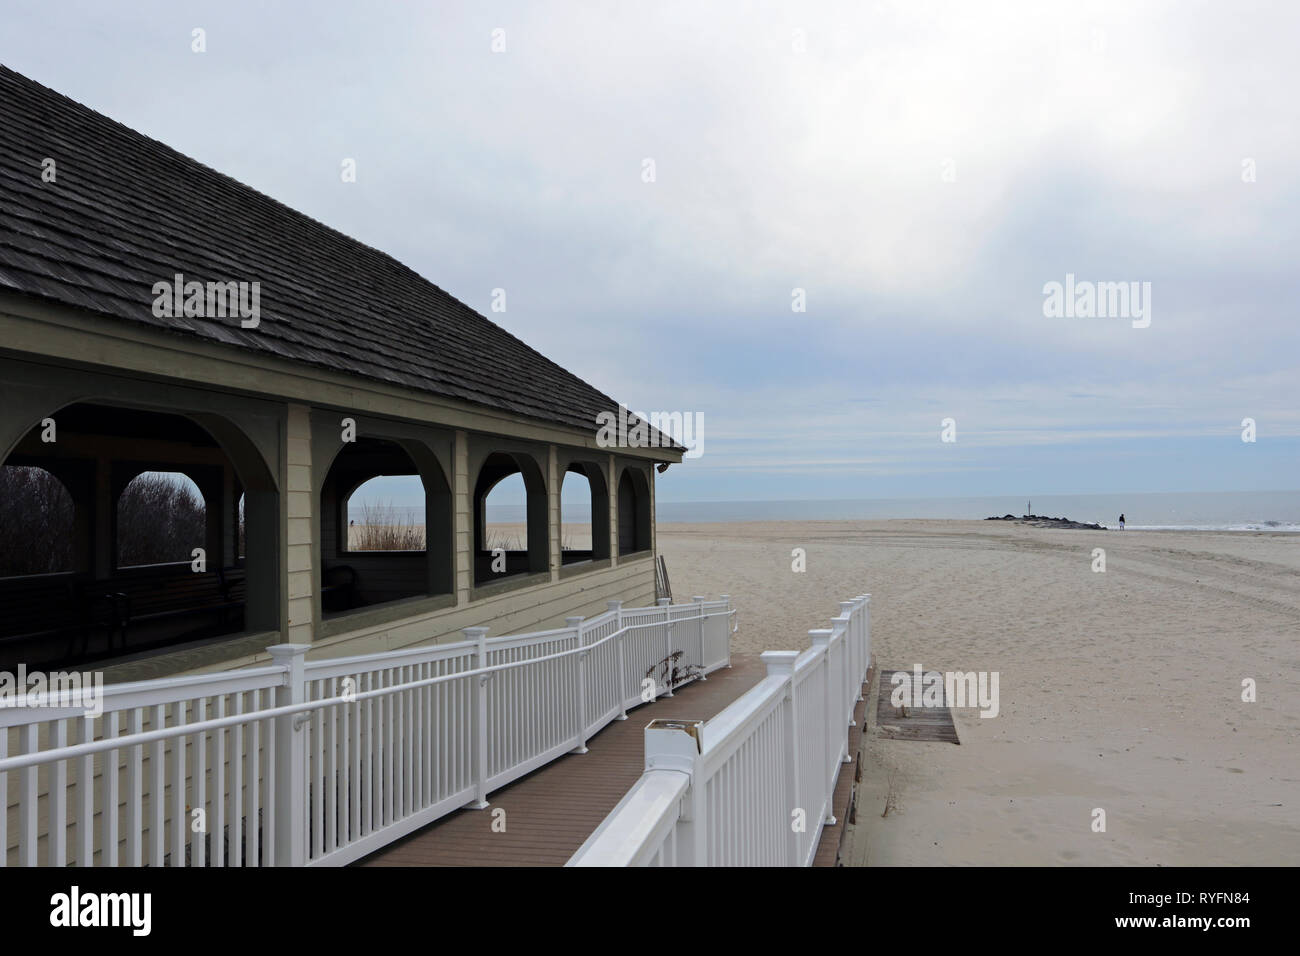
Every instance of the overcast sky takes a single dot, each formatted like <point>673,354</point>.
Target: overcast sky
<point>920,170</point>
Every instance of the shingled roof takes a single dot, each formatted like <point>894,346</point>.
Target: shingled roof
<point>126,212</point>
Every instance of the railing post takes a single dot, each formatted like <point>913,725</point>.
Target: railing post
<point>479,636</point>
<point>726,624</point>
<point>617,608</point>
<point>840,668</point>
<point>852,681</point>
<point>859,648</point>
<point>576,624</point>
<point>290,770</point>
<point>699,611</point>
<point>831,750</point>
<point>666,604</point>
<point>781,664</point>
<point>866,630</point>
<point>675,745</point>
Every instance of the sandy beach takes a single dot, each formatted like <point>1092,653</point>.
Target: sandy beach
<point>1119,690</point>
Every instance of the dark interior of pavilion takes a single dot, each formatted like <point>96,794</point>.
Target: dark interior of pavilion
<point>127,531</point>
<point>122,532</point>
<point>382,554</point>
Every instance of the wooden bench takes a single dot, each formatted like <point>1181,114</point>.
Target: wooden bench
<point>173,591</point>
<point>72,606</point>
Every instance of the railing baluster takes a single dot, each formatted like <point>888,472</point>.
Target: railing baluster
<point>180,821</point>
<point>218,827</point>
<point>352,716</point>
<point>135,824</point>
<point>27,833</point>
<point>109,801</point>
<point>238,852</point>
<point>330,689</point>
<point>319,783</point>
<point>57,840</point>
<point>199,788</point>
<point>371,780</point>
<point>270,819</point>
<point>415,706</point>
<point>348,830</point>
<point>252,816</point>
<point>4,798</point>
<point>387,708</point>
<point>86,794</point>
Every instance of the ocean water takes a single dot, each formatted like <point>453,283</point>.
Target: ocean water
<point>1201,511</point>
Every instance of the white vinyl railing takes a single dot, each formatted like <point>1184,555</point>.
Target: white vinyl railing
<point>321,762</point>
<point>754,785</point>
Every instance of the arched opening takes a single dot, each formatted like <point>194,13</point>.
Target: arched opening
<point>386,513</point>
<point>386,526</point>
<point>38,518</point>
<point>505,515</point>
<point>151,557</point>
<point>161,519</point>
<point>633,512</point>
<point>584,514</point>
<point>512,538</point>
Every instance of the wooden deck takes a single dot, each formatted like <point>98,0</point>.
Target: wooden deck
<point>549,813</point>
<point>915,722</point>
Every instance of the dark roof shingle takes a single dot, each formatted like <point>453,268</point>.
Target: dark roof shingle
<point>126,212</point>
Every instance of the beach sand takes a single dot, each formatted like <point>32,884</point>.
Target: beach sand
<point>1118,690</point>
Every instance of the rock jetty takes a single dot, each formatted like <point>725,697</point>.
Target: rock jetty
<point>1042,521</point>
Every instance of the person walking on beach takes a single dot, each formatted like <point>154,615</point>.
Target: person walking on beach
<point>1121,522</point>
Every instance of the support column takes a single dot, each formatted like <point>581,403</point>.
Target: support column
<point>462,525</point>
<point>612,482</point>
<point>301,546</point>
<point>79,478</point>
<point>230,516</point>
<point>104,558</point>
<point>211,483</point>
<point>653,515</point>
<point>553,511</point>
